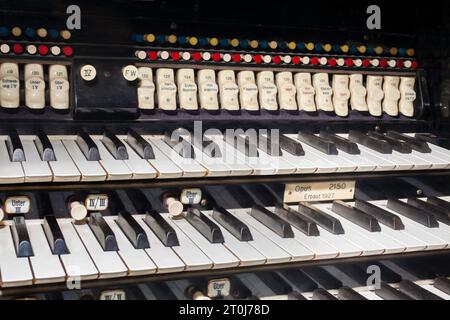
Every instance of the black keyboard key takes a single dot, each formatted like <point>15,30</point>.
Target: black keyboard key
<point>356,216</point>
<point>442,284</point>
<point>440,214</point>
<point>387,292</point>
<point>346,293</point>
<point>115,146</point>
<point>397,145</point>
<point>88,146</point>
<point>44,147</point>
<point>132,230</point>
<point>161,228</point>
<point>269,145</point>
<point>291,146</point>
<point>161,291</point>
<point>180,145</point>
<point>297,220</point>
<point>413,213</point>
<point>103,232</point>
<point>322,277</point>
<point>387,275</point>
<point>272,221</point>
<point>445,205</point>
<point>433,139</point>
<point>329,223</point>
<point>204,225</point>
<point>15,147</point>
<point>322,294</point>
<point>54,235</point>
<point>274,282</point>
<point>232,224</point>
<point>383,216</point>
<point>208,147</point>
<point>318,143</point>
<point>416,143</point>
<point>245,145</point>
<point>341,143</point>
<point>416,292</point>
<point>294,295</point>
<point>378,145</point>
<point>141,146</point>
<point>21,238</point>
<point>238,290</point>
<point>301,281</point>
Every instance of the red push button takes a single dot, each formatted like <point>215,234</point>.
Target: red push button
<point>67,51</point>
<point>175,55</point>
<point>349,62</point>
<point>17,48</point>
<point>152,55</point>
<point>43,50</point>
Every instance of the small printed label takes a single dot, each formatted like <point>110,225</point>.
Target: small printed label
<point>118,294</point>
<point>191,196</point>
<point>319,191</point>
<point>17,205</point>
<point>218,288</point>
<point>96,202</point>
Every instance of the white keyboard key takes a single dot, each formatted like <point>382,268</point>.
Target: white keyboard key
<point>248,91</point>
<point>267,90</point>
<point>146,89</point>
<point>166,89</point>
<point>77,263</point>
<point>190,167</point>
<point>228,90</point>
<point>436,291</point>
<point>208,89</point>
<point>34,86</point>
<point>34,168</point>
<point>216,167</point>
<point>216,252</point>
<point>90,170</point>
<point>108,263</point>
<point>370,295</point>
<point>247,254</point>
<point>407,96</point>
<point>140,168</point>
<point>136,260</point>
<point>305,92</point>
<point>46,267</point>
<point>268,248</point>
<point>116,169</point>
<point>391,95</point>
<point>187,89</point>
<point>358,93</point>
<point>10,172</point>
<point>341,94</point>
<point>165,259</point>
<point>59,87</point>
<point>64,169</point>
<point>286,91</point>
<point>14,271</point>
<point>192,256</point>
<point>324,93</point>
<point>375,95</point>
<point>9,85</point>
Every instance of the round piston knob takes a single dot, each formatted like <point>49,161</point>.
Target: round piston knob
<point>88,72</point>
<point>130,72</point>
<point>174,206</point>
<point>78,211</point>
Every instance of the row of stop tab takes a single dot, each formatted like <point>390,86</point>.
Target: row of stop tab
<point>35,86</point>
<point>230,90</point>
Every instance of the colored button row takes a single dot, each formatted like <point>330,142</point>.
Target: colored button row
<point>32,49</point>
<point>282,45</point>
<point>35,33</point>
<point>274,59</point>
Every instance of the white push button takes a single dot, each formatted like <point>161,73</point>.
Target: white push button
<point>228,90</point>
<point>17,205</point>
<point>88,72</point>
<point>286,91</point>
<point>267,90</point>
<point>248,91</point>
<point>130,72</point>
<point>34,86</point>
<point>208,89</point>
<point>374,95</point>
<point>59,87</point>
<point>324,92</point>
<point>341,94</point>
<point>9,85</point>
<point>146,89</point>
<point>305,92</point>
<point>391,95</point>
<point>166,89</point>
<point>78,211</point>
<point>358,93</point>
<point>407,96</point>
<point>187,89</point>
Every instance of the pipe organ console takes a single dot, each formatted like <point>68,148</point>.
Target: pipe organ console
<point>154,153</point>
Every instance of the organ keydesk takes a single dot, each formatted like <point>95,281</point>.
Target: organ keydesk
<point>152,156</point>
